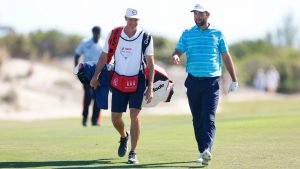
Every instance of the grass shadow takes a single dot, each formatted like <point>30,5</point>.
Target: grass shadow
<point>99,163</point>
<point>152,165</point>
<point>53,163</point>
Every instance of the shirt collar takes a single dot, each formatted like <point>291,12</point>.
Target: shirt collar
<point>198,28</point>
<point>138,31</point>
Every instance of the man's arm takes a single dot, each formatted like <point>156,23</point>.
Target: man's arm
<point>175,56</point>
<point>76,59</point>
<point>230,67</point>
<point>227,60</point>
<point>78,52</point>
<point>150,66</point>
<point>100,64</point>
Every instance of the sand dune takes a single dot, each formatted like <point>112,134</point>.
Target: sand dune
<point>50,91</point>
<point>31,91</point>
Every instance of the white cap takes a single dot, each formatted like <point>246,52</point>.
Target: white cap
<point>199,8</point>
<point>132,13</point>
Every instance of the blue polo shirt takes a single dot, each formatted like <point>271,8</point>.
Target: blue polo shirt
<point>203,49</point>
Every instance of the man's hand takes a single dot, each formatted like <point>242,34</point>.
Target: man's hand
<point>149,94</point>
<point>233,86</point>
<point>94,83</point>
<point>175,59</point>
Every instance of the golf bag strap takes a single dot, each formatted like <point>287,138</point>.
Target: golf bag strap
<point>113,42</point>
<point>145,43</point>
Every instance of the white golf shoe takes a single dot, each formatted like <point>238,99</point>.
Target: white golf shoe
<point>199,159</point>
<point>206,157</point>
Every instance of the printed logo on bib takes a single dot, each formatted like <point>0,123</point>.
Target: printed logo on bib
<point>115,81</point>
<point>125,52</point>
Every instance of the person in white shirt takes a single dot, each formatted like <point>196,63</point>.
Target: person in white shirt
<point>259,80</point>
<point>129,62</point>
<point>272,79</point>
<point>91,51</point>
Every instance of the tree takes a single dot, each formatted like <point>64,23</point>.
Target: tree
<point>287,33</point>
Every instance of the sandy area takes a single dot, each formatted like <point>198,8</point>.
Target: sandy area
<point>52,91</point>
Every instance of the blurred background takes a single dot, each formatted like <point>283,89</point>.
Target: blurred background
<point>38,39</point>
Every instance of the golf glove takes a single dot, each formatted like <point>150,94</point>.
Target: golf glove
<point>233,86</point>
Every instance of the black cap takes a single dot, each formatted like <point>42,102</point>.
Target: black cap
<point>96,29</point>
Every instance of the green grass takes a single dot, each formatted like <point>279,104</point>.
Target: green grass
<point>259,135</point>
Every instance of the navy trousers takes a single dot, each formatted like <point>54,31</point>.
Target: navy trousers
<point>203,97</point>
<point>88,97</point>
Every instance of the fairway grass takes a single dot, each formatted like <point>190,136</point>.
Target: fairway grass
<point>250,135</point>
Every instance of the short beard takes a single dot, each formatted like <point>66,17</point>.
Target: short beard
<point>201,23</point>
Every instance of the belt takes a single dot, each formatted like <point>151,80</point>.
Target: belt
<point>201,78</point>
